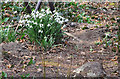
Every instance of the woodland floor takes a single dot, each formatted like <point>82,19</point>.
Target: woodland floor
<point>78,49</point>
<point>19,54</point>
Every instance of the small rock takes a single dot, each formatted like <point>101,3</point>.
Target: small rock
<point>91,69</point>
<point>113,28</point>
<point>83,53</point>
<point>39,70</point>
<point>72,24</point>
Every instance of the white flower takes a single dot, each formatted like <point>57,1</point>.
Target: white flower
<point>41,25</point>
<point>22,21</point>
<point>48,11</point>
<point>64,26</point>
<point>54,11</point>
<point>28,16</point>
<point>32,21</point>
<point>48,25</point>
<point>14,12</point>
<point>20,24</point>
<point>28,21</point>
<point>40,31</point>
<point>41,15</point>
<point>33,12</point>
<point>66,20</point>
<point>42,10</point>
<point>12,21</point>
<point>61,22</point>
<point>41,20</point>
<point>37,12</point>
<point>35,23</point>
<point>30,26</point>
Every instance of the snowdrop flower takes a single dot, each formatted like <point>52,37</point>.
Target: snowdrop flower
<point>14,12</point>
<point>48,25</point>
<point>64,26</point>
<point>37,15</point>
<point>22,21</point>
<point>12,21</point>
<point>30,26</point>
<point>37,12</point>
<point>61,22</point>
<point>41,25</point>
<point>41,20</point>
<point>45,38</point>
<point>42,10</point>
<point>32,21</point>
<point>41,15</point>
<point>20,24</point>
<point>35,23</point>
<point>66,20</point>
<point>40,31</point>
<point>33,12</point>
<point>48,11</point>
<point>28,21</point>
<point>6,1</point>
<point>28,16</point>
<point>54,11</point>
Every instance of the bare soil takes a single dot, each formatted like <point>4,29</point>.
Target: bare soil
<point>60,60</point>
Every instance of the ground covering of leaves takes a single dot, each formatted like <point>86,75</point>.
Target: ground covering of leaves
<point>84,43</point>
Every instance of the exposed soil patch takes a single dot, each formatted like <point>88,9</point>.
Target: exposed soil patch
<point>61,59</point>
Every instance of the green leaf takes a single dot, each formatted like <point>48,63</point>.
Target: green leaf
<point>6,19</point>
<point>31,62</point>
<point>4,74</point>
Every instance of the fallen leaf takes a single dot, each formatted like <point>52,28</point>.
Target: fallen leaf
<point>94,51</point>
<point>7,14</point>
<point>8,66</point>
<point>39,70</point>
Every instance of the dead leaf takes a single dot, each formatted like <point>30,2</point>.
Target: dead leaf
<point>115,58</point>
<point>7,14</point>
<point>39,70</point>
<point>94,51</point>
<point>8,66</point>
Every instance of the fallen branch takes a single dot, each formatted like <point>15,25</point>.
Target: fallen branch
<point>76,38</point>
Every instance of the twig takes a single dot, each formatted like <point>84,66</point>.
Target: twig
<point>18,23</point>
<point>20,19</point>
<point>69,34</point>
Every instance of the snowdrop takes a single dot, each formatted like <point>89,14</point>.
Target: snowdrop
<point>41,25</point>
<point>27,16</point>
<point>35,23</point>
<point>61,22</point>
<point>37,12</point>
<point>22,21</point>
<point>42,10</point>
<point>40,31</point>
<point>66,20</point>
<point>48,25</point>
<point>14,12</point>
<point>41,20</point>
<point>6,1</point>
<point>48,11</point>
<point>28,21</point>
<point>30,26</point>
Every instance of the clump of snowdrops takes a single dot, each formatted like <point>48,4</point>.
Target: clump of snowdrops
<point>44,28</point>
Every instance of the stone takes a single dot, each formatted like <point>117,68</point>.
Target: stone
<point>72,24</point>
<point>91,69</point>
